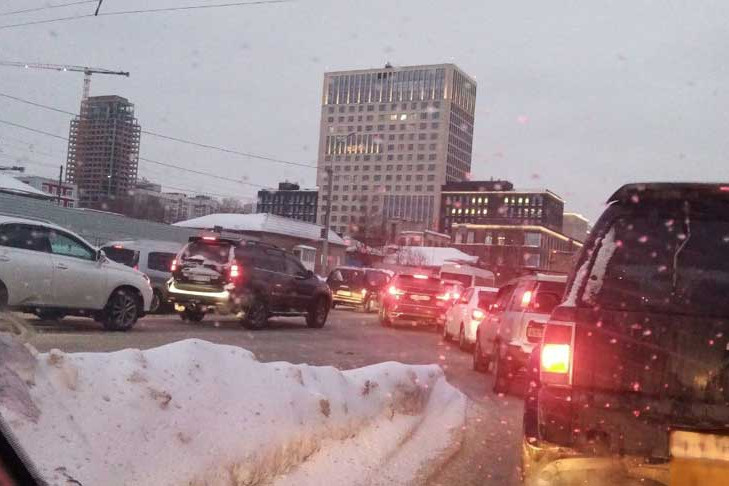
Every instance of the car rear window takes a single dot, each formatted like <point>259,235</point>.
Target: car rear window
<point>673,262</point>
<point>413,282</point>
<point>348,275</point>
<point>160,261</point>
<point>464,279</point>
<point>486,299</point>
<point>377,279</point>
<point>217,252</point>
<point>125,256</point>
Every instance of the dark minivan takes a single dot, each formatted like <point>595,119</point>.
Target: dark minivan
<point>634,364</point>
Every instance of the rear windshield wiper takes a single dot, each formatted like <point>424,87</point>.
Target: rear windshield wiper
<point>679,249</point>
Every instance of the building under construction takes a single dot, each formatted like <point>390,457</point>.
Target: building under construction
<point>103,150</point>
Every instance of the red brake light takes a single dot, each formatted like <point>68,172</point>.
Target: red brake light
<point>173,266</point>
<point>556,358</point>
<point>455,296</point>
<point>118,247</point>
<point>421,277</point>
<point>235,271</point>
<point>724,188</point>
<point>210,238</point>
<point>478,315</point>
<point>136,267</point>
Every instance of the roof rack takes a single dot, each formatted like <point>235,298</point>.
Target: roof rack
<point>263,243</point>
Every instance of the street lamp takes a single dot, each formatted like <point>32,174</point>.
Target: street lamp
<point>328,212</point>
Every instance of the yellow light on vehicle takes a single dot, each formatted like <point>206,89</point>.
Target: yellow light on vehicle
<point>364,292</point>
<point>526,298</point>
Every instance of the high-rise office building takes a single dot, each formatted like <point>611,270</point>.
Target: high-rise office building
<point>103,150</point>
<point>290,201</point>
<point>392,137</point>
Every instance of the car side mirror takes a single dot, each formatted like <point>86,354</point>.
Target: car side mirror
<point>100,256</point>
<point>305,275</point>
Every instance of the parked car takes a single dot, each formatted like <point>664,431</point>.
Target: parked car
<point>358,287</point>
<point>51,272</point>
<point>635,361</point>
<point>250,279</point>
<point>508,334</point>
<point>151,257</point>
<point>467,313</point>
<point>415,299</point>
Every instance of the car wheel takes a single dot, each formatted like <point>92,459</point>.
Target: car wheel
<point>49,314</point>
<point>156,301</point>
<point>368,308</point>
<point>122,311</point>
<point>257,315</point>
<point>446,334</point>
<point>462,343</point>
<point>3,296</point>
<point>318,313</point>
<point>501,379</point>
<point>480,364</point>
<point>384,320</point>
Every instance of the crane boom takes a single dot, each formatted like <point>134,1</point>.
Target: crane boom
<point>88,71</point>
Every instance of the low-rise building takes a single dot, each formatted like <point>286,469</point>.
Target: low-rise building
<point>68,191</point>
<point>177,206</point>
<point>575,226</point>
<point>289,201</point>
<point>422,238</point>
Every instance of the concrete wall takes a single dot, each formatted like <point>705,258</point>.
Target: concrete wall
<point>97,227</point>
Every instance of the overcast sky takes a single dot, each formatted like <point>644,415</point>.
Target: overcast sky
<point>572,96</point>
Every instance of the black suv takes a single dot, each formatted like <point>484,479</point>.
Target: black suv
<point>634,364</point>
<point>253,280</point>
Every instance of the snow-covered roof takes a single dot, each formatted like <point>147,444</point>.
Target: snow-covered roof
<point>11,184</point>
<point>261,223</point>
<point>430,256</point>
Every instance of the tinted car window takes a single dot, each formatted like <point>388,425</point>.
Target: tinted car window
<point>271,261</point>
<point>293,266</point>
<point>66,245</point>
<point>160,261</point>
<point>124,256</point>
<point>673,261</point>
<point>464,279</point>
<point>347,276</point>
<point>411,282</point>
<point>25,237</point>
<point>486,299</point>
<point>214,252</point>
<point>377,279</point>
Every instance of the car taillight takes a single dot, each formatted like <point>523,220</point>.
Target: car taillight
<point>235,272</point>
<point>136,267</point>
<point>555,363</point>
<point>364,292</point>
<point>478,315</point>
<point>534,331</point>
<point>455,296</point>
<point>173,266</point>
<point>394,291</point>
<point>526,298</point>
<point>445,296</point>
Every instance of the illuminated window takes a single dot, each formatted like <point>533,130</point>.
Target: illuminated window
<point>480,200</point>
<point>460,210</point>
<point>473,200</point>
<point>453,211</point>
<point>521,200</point>
<point>526,200</point>
<point>404,116</point>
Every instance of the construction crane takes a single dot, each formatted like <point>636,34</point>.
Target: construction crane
<point>88,71</point>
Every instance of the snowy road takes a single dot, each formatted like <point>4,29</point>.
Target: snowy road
<point>350,340</point>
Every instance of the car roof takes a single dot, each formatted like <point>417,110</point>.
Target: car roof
<point>5,219</point>
<point>542,277</point>
<point>669,191</point>
<point>151,245</point>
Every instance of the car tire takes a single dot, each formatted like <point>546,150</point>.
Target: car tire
<point>446,335</point>
<point>501,379</point>
<point>317,316</point>
<point>4,298</point>
<point>50,314</point>
<point>480,363</point>
<point>368,306</point>
<point>156,304</point>
<point>256,317</point>
<point>462,343</point>
<point>384,321</point>
<point>122,311</point>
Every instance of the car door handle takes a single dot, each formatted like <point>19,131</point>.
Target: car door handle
<point>61,266</point>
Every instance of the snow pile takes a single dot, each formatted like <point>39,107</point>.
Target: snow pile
<point>198,413</point>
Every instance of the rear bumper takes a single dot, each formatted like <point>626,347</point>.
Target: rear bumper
<point>418,315</point>
<point>210,298</point>
<point>355,299</point>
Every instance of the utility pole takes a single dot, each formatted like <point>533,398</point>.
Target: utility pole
<point>327,216</point>
<point>60,184</point>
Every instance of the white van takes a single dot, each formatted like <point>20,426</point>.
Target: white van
<point>468,275</point>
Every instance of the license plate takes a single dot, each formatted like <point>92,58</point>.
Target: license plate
<point>344,293</point>
<point>698,458</point>
<point>535,332</point>
<point>420,298</point>
<point>200,278</point>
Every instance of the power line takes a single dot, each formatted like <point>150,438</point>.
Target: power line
<point>155,10</point>
<point>174,139</point>
<point>47,7</point>
<point>156,162</point>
